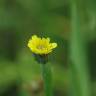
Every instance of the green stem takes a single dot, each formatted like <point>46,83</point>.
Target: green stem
<point>79,69</point>
<point>46,74</point>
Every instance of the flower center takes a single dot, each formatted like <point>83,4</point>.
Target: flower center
<point>40,47</point>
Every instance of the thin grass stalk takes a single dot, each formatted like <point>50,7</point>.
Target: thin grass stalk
<point>79,72</point>
<point>47,78</point>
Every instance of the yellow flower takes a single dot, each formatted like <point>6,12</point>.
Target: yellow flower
<point>41,45</point>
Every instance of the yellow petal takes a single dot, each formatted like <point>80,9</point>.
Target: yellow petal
<point>53,45</point>
<point>35,40</point>
<point>34,37</point>
<point>48,40</point>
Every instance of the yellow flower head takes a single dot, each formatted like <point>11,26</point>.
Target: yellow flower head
<point>41,45</point>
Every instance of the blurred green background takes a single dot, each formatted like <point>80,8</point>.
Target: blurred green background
<point>20,19</point>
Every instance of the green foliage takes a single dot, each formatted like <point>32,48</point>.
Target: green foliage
<point>19,19</point>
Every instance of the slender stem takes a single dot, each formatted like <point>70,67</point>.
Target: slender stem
<point>79,67</point>
<point>46,74</point>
